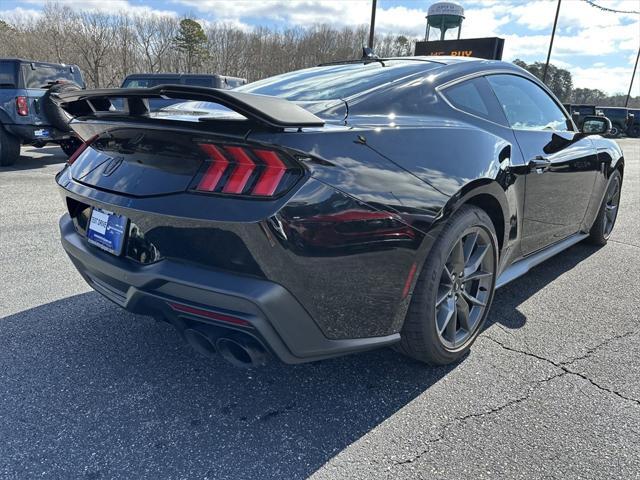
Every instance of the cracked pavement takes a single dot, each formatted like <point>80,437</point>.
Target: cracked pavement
<point>551,389</point>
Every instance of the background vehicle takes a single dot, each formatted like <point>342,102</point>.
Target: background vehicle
<point>633,126</point>
<point>618,116</point>
<point>148,80</point>
<point>384,212</point>
<point>579,112</point>
<point>27,114</point>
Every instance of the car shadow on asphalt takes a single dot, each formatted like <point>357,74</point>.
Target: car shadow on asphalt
<point>504,309</point>
<point>91,391</point>
<point>43,158</point>
<point>114,395</point>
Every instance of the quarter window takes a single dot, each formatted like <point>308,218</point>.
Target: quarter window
<point>475,97</point>
<point>526,105</point>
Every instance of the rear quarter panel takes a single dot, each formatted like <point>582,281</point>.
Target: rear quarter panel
<point>415,177</point>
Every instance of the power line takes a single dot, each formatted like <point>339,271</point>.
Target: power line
<point>606,9</point>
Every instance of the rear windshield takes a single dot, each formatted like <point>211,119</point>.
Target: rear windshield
<point>8,77</point>
<point>42,76</point>
<point>336,81</point>
<point>199,81</point>
<point>584,110</point>
<point>150,82</point>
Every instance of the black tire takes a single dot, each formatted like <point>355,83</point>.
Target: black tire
<point>70,145</point>
<point>9,148</point>
<point>614,132</point>
<point>608,213</point>
<point>634,131</point>
<point>423,332</point>
<point>56,116</point>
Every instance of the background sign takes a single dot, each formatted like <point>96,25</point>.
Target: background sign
<point>489,48</point>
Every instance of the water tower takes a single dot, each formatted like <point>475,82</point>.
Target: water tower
<point>443,16</point>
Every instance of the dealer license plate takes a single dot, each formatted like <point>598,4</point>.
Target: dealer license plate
<point>106,230</point>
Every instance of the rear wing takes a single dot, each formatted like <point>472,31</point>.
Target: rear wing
<point>272,112</point>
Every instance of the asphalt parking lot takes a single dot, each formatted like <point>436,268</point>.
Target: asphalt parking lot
<point>550,390</point>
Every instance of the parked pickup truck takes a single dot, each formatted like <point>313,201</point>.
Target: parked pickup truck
<point>28,116</point>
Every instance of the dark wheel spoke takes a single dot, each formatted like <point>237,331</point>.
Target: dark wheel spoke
<point>451,327</point>
<point>443,293</point>
<point>446,277</point>
<point>476,260</point>
<point>473,300</point>
<point>447,312</point>
<point>468,245</point>
<point>610,211</point>
<point>457,257</point>
<point>477,275</point>
<point>462,308</point>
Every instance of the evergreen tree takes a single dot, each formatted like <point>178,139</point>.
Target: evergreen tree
<point>192,41</point>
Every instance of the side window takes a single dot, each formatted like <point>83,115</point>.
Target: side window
<point>475,97</point>
<point>526,105</point>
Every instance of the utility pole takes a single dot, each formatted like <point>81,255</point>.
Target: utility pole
<point>553,34</point>
<point>372,25</point>
<point>626,103</point>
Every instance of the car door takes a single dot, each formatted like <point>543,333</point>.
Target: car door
<point>560,163</point>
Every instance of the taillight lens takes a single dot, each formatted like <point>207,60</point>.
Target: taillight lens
<point>244,170</point>
<point>22,106</point>
<point>80,149</point>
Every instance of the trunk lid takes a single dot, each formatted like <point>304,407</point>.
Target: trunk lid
<point>139,162</point>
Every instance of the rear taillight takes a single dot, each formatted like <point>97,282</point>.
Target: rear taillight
<point>22,106</point>
<point>80,149</point>
<point>243,170</point>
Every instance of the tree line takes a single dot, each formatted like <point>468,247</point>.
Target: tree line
<point>108,47</point>
<point>560,82</point>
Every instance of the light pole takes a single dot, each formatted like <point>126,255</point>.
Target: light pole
<point>553,34</point>
<point>626,103</point>
<point>372,25</point>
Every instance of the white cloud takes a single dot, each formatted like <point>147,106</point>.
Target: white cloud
<point>109,6</point>
<point>611,80</point>
<point>20,15</point>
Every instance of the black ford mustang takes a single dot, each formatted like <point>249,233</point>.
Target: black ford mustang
<point>333,209</point>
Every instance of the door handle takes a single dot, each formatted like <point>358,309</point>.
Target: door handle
<point>539,164</point>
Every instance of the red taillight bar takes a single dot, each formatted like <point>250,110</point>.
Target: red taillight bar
<point>216,169</point>
<point>80,149</point>
<point>179,307</point>
<point>241,170</point>
<point>240,176</point>
<point>272,175</point>
<point>22,106</point>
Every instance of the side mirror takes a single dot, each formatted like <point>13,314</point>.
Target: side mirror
<point>596,125</point>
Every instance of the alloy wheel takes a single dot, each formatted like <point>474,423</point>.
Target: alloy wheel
<point>611,208</point>
<point>465,288</point>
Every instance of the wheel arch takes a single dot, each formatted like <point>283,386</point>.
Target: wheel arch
<point>489,196</point>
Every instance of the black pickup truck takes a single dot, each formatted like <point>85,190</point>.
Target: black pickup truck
<point>28,116</point>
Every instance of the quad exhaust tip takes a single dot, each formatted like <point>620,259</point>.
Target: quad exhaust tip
<point>240,350</point>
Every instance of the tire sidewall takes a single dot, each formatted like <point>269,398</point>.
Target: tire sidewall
<point>469,217</point>
<point>596,234</point>
<point>615,178</point>
<point>56,115</point>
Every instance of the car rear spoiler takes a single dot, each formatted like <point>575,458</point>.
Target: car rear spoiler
<point>272,112</point>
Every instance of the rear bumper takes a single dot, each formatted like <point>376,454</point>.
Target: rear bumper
<point>273,314</point>
<point>37,133</point>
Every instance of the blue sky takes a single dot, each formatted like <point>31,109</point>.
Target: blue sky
<point>598,47</point>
